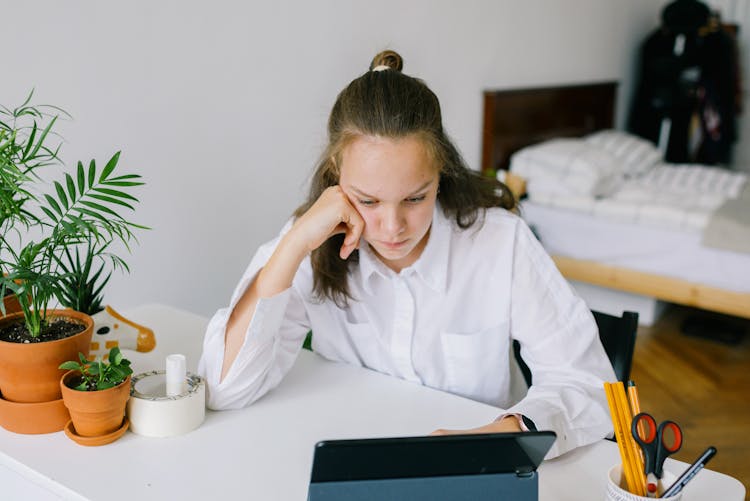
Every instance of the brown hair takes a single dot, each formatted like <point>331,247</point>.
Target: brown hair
<point>389,104</point>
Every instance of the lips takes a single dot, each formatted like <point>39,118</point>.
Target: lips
<point>394,245</point>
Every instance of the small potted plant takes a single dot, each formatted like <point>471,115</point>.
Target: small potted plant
<point>96,394</point>
<point>36,230</point>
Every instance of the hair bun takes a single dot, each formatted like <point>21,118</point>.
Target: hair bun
<point>388,58</point>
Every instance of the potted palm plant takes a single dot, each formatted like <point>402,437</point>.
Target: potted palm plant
<point>37,228</point>
<point>96,394</point>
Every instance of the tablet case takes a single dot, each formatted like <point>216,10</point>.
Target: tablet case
<point>473,467</point>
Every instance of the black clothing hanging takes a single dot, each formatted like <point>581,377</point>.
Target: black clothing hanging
<point>685,98</point>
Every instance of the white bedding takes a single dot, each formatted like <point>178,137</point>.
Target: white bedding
<point>667,196</point>
<point>620,177</point>
<point>650,218</point>
<point>668,252</point>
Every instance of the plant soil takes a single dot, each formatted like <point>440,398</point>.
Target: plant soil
<point>59,328</point>
<point>75,381</point>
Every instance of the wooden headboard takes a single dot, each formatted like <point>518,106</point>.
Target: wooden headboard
<point>517,118</point>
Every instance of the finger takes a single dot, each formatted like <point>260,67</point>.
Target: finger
<point>350,245</point>
<point>346,250</point>
<point>355,227</point>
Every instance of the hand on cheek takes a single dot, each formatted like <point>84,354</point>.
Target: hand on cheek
<point>331,214</point>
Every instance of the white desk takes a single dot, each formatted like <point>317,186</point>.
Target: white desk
<point>264,452</point>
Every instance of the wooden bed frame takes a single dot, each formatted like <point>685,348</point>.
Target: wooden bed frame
<point>517,118</point>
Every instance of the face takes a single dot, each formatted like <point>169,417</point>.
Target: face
<point>393,185</point>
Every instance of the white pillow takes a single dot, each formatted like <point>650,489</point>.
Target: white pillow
<point>571,167</point>
<point>690,180</point>
<point>637,155</point>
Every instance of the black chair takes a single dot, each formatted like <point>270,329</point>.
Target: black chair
<point>618,338</point>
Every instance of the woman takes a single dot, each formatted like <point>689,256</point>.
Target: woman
<point>404,261</point>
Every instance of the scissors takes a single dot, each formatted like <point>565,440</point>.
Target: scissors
<point>656,442</point>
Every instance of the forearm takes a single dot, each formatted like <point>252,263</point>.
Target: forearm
<point>275,277</point>
<point>505,425</point>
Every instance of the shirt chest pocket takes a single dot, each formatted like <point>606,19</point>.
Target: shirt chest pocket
<point>476,363</point>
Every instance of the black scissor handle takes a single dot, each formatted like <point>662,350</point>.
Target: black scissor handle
<point>644,431</point>
<point>669,435</point>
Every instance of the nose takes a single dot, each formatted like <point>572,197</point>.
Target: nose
<point>393,221</point>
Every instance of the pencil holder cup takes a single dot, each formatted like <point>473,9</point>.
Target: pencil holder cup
<point>616,493</point>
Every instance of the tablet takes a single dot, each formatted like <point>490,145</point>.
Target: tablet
<point>429,456</point>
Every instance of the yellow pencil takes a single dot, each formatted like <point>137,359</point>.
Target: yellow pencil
<point>635,409</point>
<point>627,472</point>
<point>631,447</point>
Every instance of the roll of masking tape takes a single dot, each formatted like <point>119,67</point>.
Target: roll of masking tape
<point>154,412</point>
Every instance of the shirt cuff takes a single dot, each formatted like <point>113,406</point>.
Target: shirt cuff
<point>525,423</point>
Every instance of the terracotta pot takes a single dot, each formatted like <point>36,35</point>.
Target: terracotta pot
<point>34,418</point>
<point>95,413</point>
<point>11,304</point>
<point>29,372</point>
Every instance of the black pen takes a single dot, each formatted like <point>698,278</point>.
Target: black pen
<point>690,472</point>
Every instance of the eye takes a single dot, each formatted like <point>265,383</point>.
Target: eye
<point>367,203</point>
<point>416,200</point>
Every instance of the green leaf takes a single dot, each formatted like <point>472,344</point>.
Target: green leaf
<point>116,373</point>
<point>81,179</point>
<point>30,142</point>
<point>121,183</point>
<point>115,357</point>
<point>116,193</point>
<point>71,187</point>
<point>126,176</point>
<point>70,366</point>
<point>105,385</point>
<point>40,142</point>
<point>100,208</point>
<point>53,204</point>
<point>50,214</point>
<point>93,214</point>
<point>109,167</point>
<point>92,173</point>
<point>61,195</point>
<point>111,200</point>
<point>98,290</point>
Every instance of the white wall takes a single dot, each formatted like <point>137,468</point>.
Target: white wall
<point>738,12</point>
<point>222,105</point>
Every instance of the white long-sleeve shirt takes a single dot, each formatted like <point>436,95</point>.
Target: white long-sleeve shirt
<point>447,322</point>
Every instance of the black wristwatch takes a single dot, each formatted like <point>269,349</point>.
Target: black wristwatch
<point>528,423</point>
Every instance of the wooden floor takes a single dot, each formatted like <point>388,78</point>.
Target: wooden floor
<point>702,384</point>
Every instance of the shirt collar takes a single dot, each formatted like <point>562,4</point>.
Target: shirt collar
<point>431,266</point>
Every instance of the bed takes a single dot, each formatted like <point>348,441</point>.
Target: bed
<point>596,240</point>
